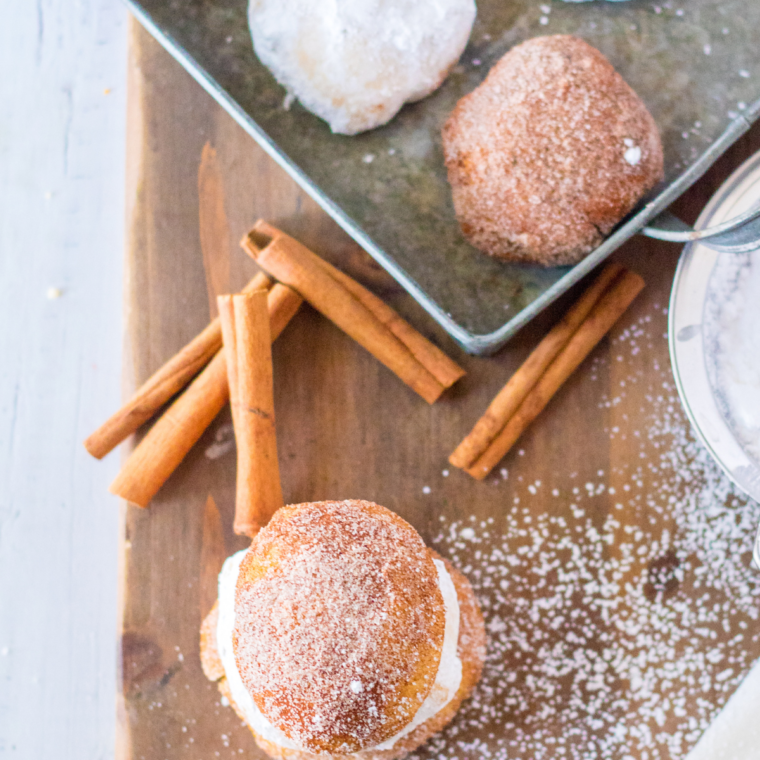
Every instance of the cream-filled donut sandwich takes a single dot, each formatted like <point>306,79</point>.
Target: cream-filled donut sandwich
<point>340,633</point>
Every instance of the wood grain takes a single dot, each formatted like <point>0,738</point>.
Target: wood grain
<point>213,554</point>
<point>348,429</point>
<point>214,228</point>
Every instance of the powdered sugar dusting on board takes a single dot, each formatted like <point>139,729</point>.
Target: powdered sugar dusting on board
<point>620,622</point>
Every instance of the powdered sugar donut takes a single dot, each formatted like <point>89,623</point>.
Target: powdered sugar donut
<point>354,63</point>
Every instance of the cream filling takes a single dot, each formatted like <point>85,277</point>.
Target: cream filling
<point>240,695</point>
<point>447,679</point>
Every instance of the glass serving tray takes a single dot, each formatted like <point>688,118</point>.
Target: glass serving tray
<point>695,63</point>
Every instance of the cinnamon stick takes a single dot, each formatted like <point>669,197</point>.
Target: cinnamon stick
<point>163,384</point>
<point>293,264</point>
<point>512,394</point>
<point>444,369</point>
<point>248,348</point>
<point>602,317</point>
<point>167,443</point>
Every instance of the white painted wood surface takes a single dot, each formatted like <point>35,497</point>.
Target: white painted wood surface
<point>62,135</point>
<point>61,231</point>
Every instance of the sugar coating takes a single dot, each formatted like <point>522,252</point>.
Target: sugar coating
<point>549,153</point>
<point>224,632</point>
<point>354,63</point>
<point>449,675</point>
<point>447,682</point>
<point>329,595</point>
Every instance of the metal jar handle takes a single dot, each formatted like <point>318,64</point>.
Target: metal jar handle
<point>738,235</point>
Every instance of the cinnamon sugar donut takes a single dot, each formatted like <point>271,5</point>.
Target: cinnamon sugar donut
<point>349,637</point>
<point>549,153</point>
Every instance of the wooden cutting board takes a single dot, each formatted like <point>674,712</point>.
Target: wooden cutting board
<point>611,557</point>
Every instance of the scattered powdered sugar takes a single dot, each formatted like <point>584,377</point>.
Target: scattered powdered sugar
<point>288,100</point>
<point>632,153</point>
<point>224,441</point>
<point>622,610</point>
